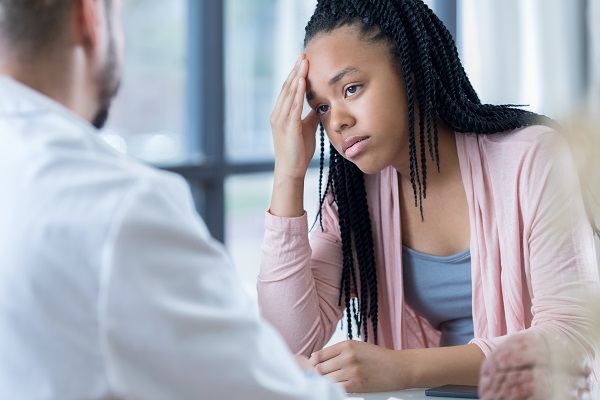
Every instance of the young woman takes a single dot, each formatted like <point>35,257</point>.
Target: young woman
<point>445,224</point>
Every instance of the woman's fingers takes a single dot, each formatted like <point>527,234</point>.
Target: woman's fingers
<point>310,123</point>
<point>305,364</point>
<point>294,143</point>
<point>288,80</point>
<point>326,354</point>
<point>329,366</point>
<point>298,98</point>
<point>326,360</point>
<point>284,94</point>
<point>289,101</point>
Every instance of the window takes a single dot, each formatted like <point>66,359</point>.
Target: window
<point>262,41</point>
<point>147,119</point>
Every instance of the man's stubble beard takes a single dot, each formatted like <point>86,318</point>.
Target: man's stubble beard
<point>108,83</point>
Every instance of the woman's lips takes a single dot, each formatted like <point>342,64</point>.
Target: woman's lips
<point>353,145</point>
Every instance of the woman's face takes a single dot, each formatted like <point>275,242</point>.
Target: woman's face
<point>360,98</point>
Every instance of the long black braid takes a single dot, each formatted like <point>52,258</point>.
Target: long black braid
<point>425,55</point>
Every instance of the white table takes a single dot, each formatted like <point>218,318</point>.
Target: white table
<point>419,394</point>
<point>410,394</point>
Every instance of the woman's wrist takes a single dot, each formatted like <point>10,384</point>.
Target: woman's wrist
<point>405,373</point>
<point>443,365</point>
<point>287,199</point>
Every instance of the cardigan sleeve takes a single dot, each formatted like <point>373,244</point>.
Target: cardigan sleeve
<point>557,269</point>
<point>299,280</point>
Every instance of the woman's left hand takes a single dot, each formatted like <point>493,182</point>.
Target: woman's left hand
<point>362,367</point>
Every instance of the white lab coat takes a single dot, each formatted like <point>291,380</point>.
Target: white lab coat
<point>110,284</point>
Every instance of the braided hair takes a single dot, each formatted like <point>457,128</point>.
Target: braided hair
<point>424,53</point>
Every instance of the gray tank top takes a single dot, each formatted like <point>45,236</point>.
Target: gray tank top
<point>439,289</point>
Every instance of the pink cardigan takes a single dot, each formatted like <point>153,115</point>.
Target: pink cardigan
<point>532,252</point>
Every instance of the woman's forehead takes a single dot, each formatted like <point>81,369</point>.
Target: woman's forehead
<point>343,49</point>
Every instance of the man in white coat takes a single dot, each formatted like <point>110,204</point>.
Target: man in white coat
<point>110,284</point>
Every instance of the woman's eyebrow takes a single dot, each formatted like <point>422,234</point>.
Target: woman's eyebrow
<point>342,74</point>
<point>338,77</point>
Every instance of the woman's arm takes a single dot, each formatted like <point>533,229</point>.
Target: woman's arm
<point>558,264</point>
<point>363,367</point>
<point>294,143</point>
<point>298,284</point>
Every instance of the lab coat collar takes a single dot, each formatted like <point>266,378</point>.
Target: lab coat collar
<point>17,98</point>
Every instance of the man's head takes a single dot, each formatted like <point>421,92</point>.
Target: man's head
<point>70,50</point>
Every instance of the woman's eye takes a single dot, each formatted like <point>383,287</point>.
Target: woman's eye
<point>322,109</point>
<point>352,90</point>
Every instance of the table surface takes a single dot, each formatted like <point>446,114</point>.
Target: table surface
<point>419,394</point>
<point>412,394</point>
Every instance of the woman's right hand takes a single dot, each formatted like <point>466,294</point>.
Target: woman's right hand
<point>294,140</point>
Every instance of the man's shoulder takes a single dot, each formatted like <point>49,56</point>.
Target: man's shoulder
<point>56,157</point>
<point>103,167</point>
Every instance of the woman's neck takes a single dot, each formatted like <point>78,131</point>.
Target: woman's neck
<point>448,159</point>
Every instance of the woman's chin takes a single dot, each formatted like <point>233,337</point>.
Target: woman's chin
<point>367,167</point>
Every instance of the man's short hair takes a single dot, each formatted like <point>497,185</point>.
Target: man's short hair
<point>34,26</point>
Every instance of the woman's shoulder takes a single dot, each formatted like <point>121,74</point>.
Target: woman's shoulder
<point>517,143</point>
<point>527,135</point>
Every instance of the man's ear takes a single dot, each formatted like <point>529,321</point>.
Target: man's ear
<point>86,20</point>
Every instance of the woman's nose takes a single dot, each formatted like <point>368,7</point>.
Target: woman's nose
<point>341,118</point>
